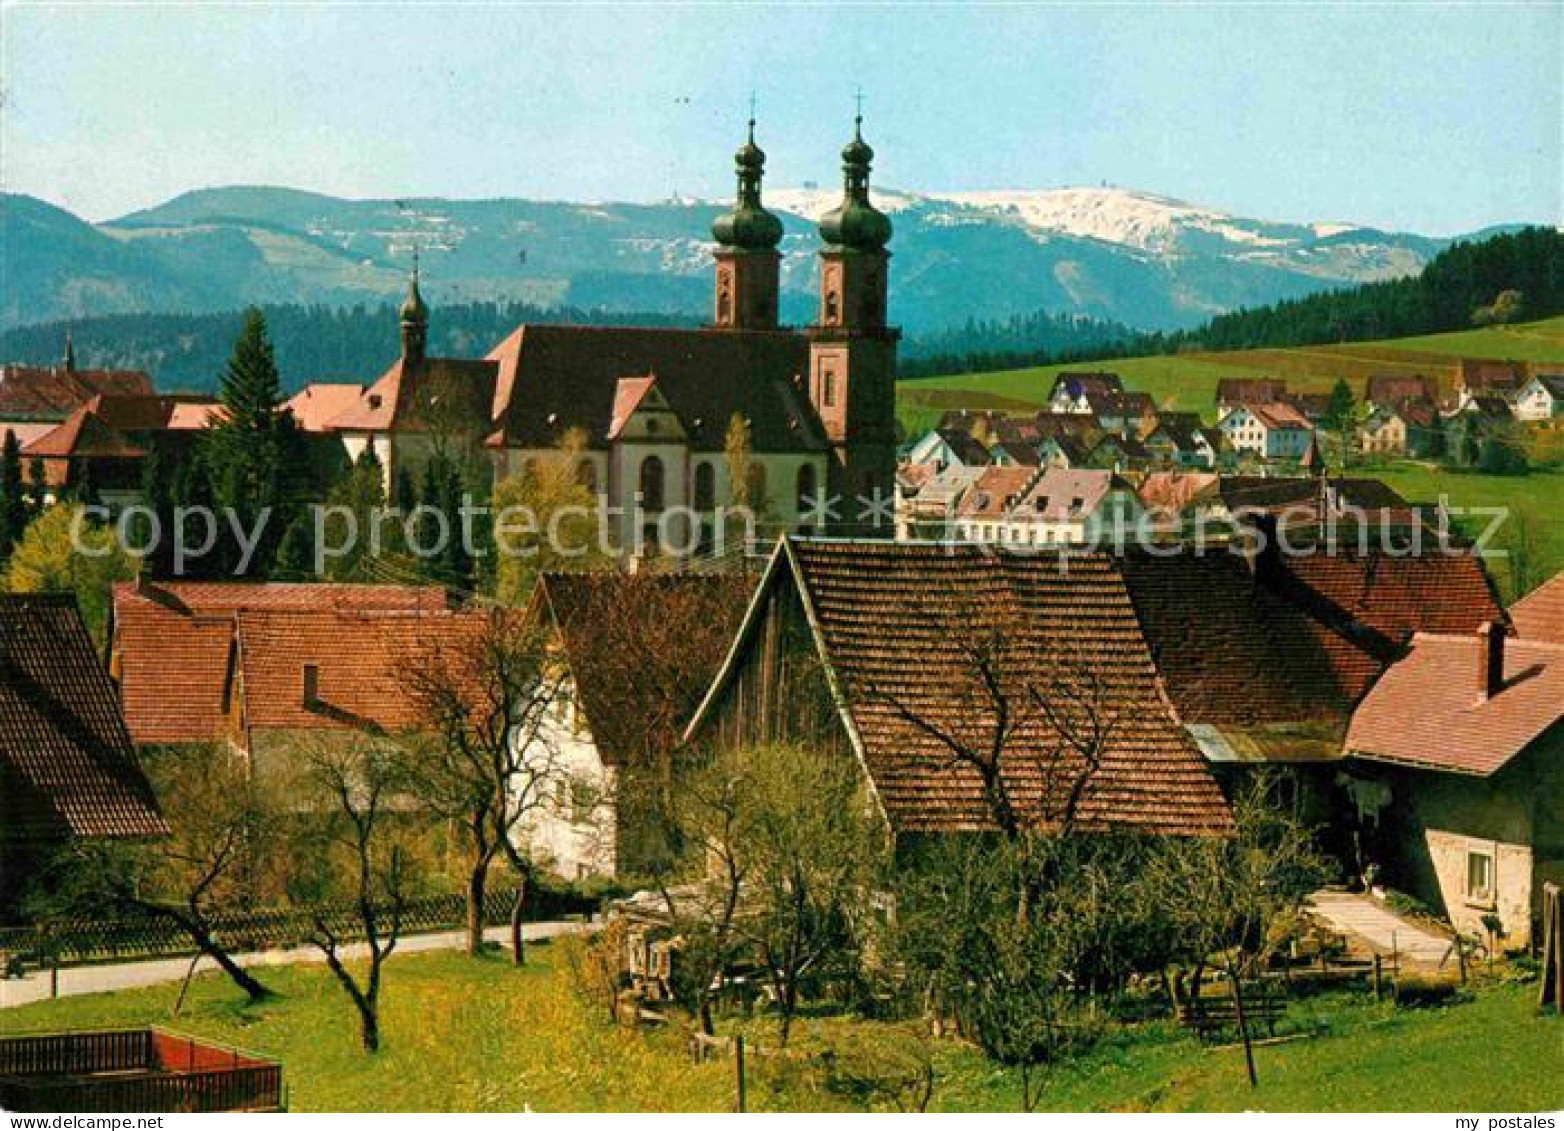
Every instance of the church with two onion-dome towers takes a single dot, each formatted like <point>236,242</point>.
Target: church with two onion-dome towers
<point>649,411</point>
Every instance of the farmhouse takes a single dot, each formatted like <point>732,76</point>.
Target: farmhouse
<point>899,655</point>
<point>949,447</point>
<point>1234,392</point>
<point>1466,734</point>
<point>638,652</point>
<point>67,769</point>
<point>1541,398</point>
<point>1072,391</point>
<point>1408,426</point>
<point>174,645</point>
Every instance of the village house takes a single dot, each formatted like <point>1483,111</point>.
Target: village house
<point>1273,431</point>
<point>1087,507</point>
<point>949,447</point>
<point>1072,391</point>
<point>1409,426</point>
<point>638,651</point>
<point>1179,440</point>
<point>1477,377</point>
<point>822,659</point>
<point>1126,414</point>
<point>981,425</point>
<point>1540,398</point>
<point>103,444</point>
<point>35,398</point>
<point>1264,655</point>
<point>173,645</point>
<point>1389,389</point>
<point>67,767</point>
<point>984,511</point>
<point>928,509</point>
<point>1179,502</point>
<point>1236,392</point>
<point>1067,450</point>
<point>1466,736</point>
<point>1119,453</point>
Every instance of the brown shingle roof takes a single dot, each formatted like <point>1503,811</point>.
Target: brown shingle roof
<point>1425,710</point>
<point>893,619</point>
<point>1540,614</point>
<point>553,378</point>
<point>1302,640</point>
<point>642,649</point>
<point>54,392</point>
<point>66,764</point>
<point>173,644</point>
<point>1388,388</point>
<point>1249,390</point>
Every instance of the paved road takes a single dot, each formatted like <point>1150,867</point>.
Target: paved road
<point>1379,929</point>
<point>128,975</point>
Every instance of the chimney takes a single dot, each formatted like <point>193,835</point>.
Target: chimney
<point>311,698</point>
<point>1490,660</point>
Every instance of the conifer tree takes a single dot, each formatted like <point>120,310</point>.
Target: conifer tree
<point>13,496</point>
<point>37,487</point>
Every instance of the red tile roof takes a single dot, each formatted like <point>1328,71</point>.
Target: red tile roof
<point>893,621</point>
<point>460,390</point>
<point>359,656</point>
<point>66,763</point>
<point>553,378</point>
<point>1425,710</point>
<point>316,406</point>
<point>173,644</point>
<point>1278,414</point>
<point>642,650</point>
<point>1389,388</point>
<point>1540,614</point>
<point>997,490</point>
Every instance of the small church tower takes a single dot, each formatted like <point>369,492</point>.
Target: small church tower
<point>415,321</point>
<point>852,357</point>
<point>748,265</point>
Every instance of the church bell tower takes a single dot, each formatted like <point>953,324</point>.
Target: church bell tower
<point>852,356</point>
<point>748,265</point>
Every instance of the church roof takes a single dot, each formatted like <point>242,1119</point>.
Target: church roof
<point>553,378</point>
<point>404,395</point>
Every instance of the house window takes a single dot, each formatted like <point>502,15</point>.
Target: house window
<point>652,483</point>
<point>1479,876</point>
<point>828,387</point>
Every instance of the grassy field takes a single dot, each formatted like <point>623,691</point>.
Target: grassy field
<point>1188,381</point>
<point>464,1035</point>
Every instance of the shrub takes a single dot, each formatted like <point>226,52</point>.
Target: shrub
<point>1416,991</point>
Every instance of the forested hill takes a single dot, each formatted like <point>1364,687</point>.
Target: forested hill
<point>1460,287</point>
<point>187,352</point>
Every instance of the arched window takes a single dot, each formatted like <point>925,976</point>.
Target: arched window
<point>808,495</point>
<point>586,475</point>
<point>652,483</point>
<point>705,487</point>
<point>755,480</point>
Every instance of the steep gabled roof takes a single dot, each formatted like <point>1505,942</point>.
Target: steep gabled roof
<point>1061,495</point>
<point>173,644</point>
<point>553,378</point>
<point>1077,382</point>
<point>893,623</point>
<point>965,448</point>
<point>642,649</point>
<point>995,492</point>
<point>1425,710</point>
<point>66,764</point>
<point>451,392</point>
<point>1540,614</point>
<point>316,406</point>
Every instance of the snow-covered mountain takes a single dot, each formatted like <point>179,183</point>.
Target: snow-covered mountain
<point>1134,257</point>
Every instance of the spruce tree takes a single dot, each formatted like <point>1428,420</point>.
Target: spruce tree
<point>246,449</point>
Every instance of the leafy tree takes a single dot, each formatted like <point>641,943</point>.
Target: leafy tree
<point>13,495</point>
<point>488,752</point>
<point>546,519</point>
<point>64,550</point>
<point>351,509</point>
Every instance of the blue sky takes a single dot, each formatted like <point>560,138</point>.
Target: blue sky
<point>1433,118</point>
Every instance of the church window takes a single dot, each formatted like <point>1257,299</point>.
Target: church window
<point>652,483</point>
<point>705,487</point>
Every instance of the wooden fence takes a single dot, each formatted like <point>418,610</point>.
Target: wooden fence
<point>135,1070</point>
<point>97,940</point>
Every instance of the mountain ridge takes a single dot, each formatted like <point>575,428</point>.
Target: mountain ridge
<point>1137,258</point>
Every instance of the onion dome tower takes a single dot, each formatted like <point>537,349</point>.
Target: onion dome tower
<point>852,360</point>
<point>748,264</point>
<point>415,320</point>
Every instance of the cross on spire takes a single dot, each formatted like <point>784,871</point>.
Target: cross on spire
<point>858,103</point>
